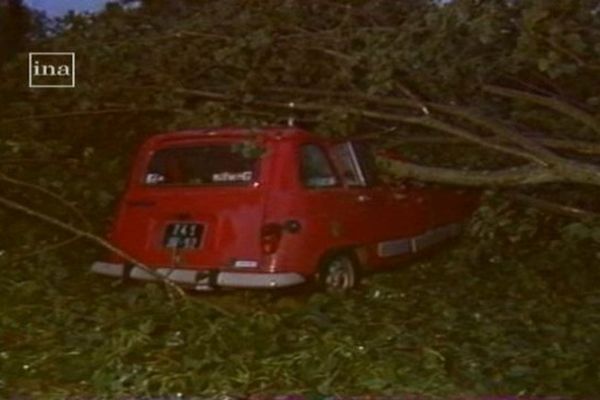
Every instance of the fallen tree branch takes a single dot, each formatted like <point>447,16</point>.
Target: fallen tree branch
<point>382,100</point>
<point>557,105</point>
<point>537,152</point>
<point>426,121</point>
<point>577,146</point>
<point>533,144</point>
<point>461,133</point>
<point>555,168</point>
<point>90,236</point>
<point>555,208</point>
<point>50,194</point>
<point>46,249</point>
<point>86,113</point>
<point>507,177</point>
<point>21,161</point>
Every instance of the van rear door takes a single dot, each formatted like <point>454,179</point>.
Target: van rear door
<point>195,205</point>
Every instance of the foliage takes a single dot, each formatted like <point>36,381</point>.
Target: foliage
<point>512,309</point>
<point>472,320</point>
<point>16,25</point>
<point>149,69</point>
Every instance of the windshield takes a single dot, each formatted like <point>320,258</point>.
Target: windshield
<point>231,164</point>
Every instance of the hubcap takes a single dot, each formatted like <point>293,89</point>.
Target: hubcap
<point>340,275</point>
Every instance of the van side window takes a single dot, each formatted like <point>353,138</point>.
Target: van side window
<point>366,160</point>
<point>346,162</point>
<point>315,169</point>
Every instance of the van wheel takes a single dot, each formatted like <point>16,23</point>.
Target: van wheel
<point>338,274</point>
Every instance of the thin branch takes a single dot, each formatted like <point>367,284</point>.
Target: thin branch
<point>568,170</point>
<point>330,52</point>
<point>90,236</point>
<point>533,145</point>
<point>577,146</point>
<point>51,247</point>
<point>444,127</point>
<point>452,110</point>
<point>85,113</point>
<point>19,161</point>
<point>539,154</point>
<point>48,193</point>
<point>555,208</point>
<point>558,47</point>
<point>422,121</point>
<point>560,170</point>
<point>382,100</point>
<point>557,105</point>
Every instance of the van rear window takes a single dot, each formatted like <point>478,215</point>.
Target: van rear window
<point>208,165</point>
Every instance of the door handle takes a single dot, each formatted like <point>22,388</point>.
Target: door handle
<point>362,198</point>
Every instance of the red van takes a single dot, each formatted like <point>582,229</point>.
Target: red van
<point>271,208</point>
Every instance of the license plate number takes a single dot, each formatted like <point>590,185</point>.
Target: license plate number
<point>183,235</point>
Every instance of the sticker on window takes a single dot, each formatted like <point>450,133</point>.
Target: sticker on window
<point>245,176</point>
<point>153,179</point>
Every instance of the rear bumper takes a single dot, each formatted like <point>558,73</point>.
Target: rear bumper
<point>203,279</point>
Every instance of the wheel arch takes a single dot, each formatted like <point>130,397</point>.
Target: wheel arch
<point>328,255</point>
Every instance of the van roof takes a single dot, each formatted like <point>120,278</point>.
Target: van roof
<point>229,132</point>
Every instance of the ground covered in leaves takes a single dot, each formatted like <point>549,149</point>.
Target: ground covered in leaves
<point>510,309</point>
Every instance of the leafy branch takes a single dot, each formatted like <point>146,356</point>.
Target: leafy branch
<point>554,168</point>
<point>8,203</point>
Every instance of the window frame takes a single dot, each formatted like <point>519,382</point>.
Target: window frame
<point>366,170</point>
<point>354,165</point>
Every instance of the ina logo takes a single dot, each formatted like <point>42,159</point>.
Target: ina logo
<point>51,70</point>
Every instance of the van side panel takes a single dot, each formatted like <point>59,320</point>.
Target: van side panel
<point>325,216</point>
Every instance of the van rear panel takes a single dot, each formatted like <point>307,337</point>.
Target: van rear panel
<point>195,205</point>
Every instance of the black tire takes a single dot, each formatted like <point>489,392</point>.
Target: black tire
<point>339,274</point>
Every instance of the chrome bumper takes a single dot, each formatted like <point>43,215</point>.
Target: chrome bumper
<point>203,279</point>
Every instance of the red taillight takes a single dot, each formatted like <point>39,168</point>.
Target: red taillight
<point>270,237</point>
